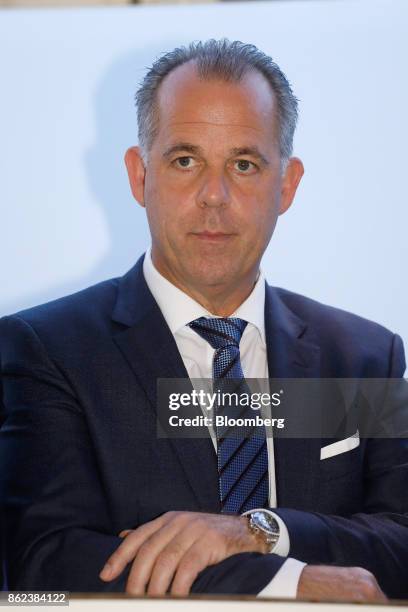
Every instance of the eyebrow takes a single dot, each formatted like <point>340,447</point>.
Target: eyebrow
<point>182,147</point>
<point>252,151</point>
<point>186,147</point>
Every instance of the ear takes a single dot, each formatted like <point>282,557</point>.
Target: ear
<point>290,181</point>
<point>136,172</point>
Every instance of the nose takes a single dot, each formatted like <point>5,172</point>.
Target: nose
<point>214,190</point>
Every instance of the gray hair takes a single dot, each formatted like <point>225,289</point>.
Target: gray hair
<point>225,60</point>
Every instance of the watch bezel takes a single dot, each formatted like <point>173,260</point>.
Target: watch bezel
<point>270,531</point>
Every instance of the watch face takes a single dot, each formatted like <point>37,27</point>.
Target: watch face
<point>266,522</point>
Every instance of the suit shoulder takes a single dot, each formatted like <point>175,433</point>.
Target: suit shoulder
<point>350,345</point>
<point>329,321</point>
<point>91,304</point>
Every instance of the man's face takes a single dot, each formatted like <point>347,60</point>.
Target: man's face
<point>213,186</point>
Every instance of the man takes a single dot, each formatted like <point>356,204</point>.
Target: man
<point>94,500</point>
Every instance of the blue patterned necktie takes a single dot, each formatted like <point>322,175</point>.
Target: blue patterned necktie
<point>242,461</point>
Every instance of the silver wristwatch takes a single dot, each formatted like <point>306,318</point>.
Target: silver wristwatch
<point>263,523</point>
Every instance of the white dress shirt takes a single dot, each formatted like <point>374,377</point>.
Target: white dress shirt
<point>179,309</point>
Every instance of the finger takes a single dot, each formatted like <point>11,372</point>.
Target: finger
<point>125,533</point>
<point>367,587</point>
<point>127,550</point>
<point>168,561</point>
<point>373,593</point>
<point>381,597</point>
<point>194,561</point>
<point>148,554</point>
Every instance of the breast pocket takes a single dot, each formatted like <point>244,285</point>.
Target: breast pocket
<point>340,457</point>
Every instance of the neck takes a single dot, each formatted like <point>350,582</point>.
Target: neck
<point>219,300</point>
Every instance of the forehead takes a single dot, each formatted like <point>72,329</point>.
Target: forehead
<point>186,101</point>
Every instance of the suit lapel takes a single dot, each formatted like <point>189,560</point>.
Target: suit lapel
<point>151,351</point>
<point>292,353</point>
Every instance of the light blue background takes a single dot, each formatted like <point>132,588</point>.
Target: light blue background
<point>67,116</point>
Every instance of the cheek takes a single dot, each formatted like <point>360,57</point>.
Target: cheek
<point>259,224</point>
<point>260,191</point>
<point>172,198</point>
<point>165,213</point>
<point>259,212</point>
<point>157,198</point>
<point>155,211</point>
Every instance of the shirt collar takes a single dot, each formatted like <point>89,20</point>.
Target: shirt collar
<point>179,309</point>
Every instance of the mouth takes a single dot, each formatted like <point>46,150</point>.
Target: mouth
<point>212,236</point>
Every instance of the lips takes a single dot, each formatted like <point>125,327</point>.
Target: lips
<point>212,236</point>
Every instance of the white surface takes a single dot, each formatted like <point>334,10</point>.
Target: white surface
<point>222,605</point>
<point>66,117</point>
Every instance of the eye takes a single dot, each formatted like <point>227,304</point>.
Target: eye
<point>184,162</point>
<point>244,166</point>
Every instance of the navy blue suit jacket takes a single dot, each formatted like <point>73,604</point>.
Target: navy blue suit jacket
<point>80,460</point>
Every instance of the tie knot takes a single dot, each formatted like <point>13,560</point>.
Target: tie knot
<point>220,332</point>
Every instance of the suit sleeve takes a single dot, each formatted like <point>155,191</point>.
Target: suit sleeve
<point>377,537</point>
<point>57,529</point>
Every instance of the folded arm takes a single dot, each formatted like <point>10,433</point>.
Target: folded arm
<point>57,526</point>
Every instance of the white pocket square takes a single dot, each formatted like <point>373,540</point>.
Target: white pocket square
<point>342,446</point>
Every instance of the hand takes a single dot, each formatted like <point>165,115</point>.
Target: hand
<point>325,582</point>
<point>175,547</point>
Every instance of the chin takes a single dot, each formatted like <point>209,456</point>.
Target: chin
<point>211,275</point>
